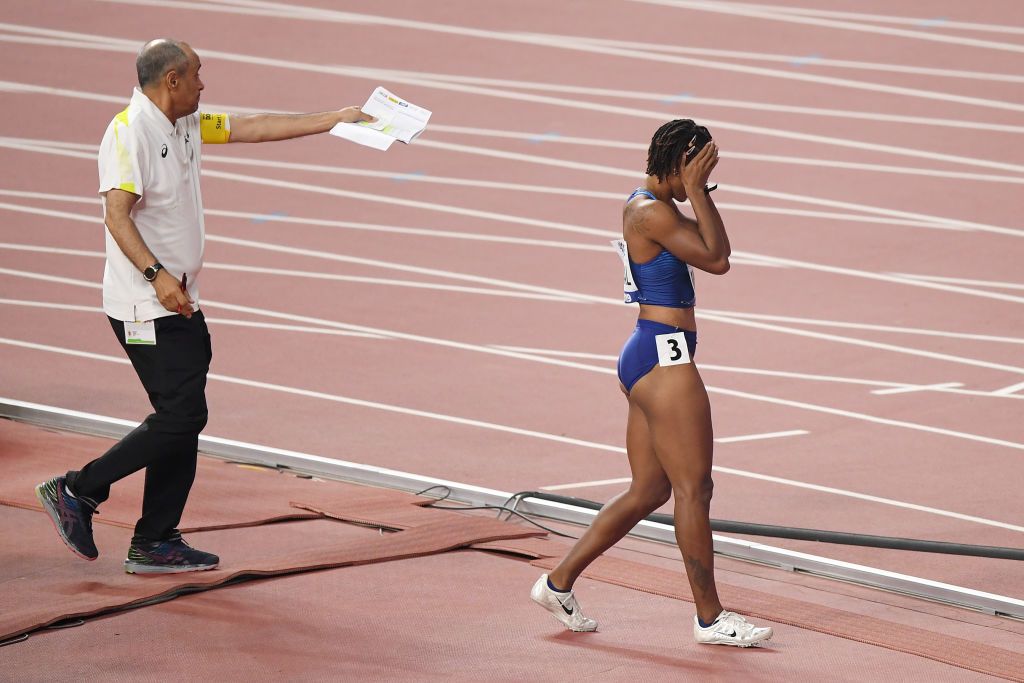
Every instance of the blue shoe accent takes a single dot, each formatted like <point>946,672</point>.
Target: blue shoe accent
<point>167,557</point>
<point>71,516</point>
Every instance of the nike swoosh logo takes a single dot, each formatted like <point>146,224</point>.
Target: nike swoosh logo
<point>566,609</point>
<point>730,635</point>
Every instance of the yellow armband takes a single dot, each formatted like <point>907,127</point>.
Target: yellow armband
<point>215,129</point>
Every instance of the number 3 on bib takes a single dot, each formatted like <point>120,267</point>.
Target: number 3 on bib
<point>672,349</point>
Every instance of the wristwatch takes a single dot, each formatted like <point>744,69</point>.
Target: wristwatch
<point>150,272</point>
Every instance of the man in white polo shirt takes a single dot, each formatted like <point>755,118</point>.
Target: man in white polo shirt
<point>153,209</point>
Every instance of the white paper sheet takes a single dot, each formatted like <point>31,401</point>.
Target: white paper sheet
<point>396,120</point>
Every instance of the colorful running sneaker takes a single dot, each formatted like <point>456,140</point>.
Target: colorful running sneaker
<point>563,606</point>
<point>71,516</point>
<point>730,629</point>
<point>167,557</point>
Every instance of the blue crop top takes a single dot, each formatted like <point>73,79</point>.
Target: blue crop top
<point>662,281</point>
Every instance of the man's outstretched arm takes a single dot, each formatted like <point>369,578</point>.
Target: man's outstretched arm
<point>270,127</point>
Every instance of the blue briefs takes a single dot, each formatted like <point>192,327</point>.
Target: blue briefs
<point>640,355</point>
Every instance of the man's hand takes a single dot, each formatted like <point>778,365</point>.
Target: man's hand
<point>172,294</point>
<point>697,170</point>
<point>354,114</point>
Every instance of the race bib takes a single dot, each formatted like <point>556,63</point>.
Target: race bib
<point>672,349</point>
<point>629,288</point>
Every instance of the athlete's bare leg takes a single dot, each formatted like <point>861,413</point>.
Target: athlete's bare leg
<point>649,490</point>
<point>675,404</point>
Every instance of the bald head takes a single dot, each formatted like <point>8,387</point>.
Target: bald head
<point>159,56</point>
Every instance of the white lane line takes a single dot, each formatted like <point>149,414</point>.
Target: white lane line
<point>39,147</point>
<point>770,373</point>
<point>294,11</point>
<point>389,282</point>
<point>23,144</point>
<point>866,497</point>
<point>562,139</point>
<point>867,418</point>
<point>883,18</point>
<point>867,326</point>
<point>565,139</point>
<point>336,192</point>
<point>484,237</point>
<point>215,321</point>
<point>708,315</point>
<point>551,291</point>
<point>741,105</point>
<point>766,12</point>
<point>50,305</point>
<point>865,343</point>
<point>587,484</point>
<point>410,203</point>
<point>811,487</point>
<point>916,221</point>
<point>962,281</point>
<point>698,101</point>
<point>727,154</point>
<point>540,290</point>
<point>346,225</point>
<point>837,270</point>
<point>336,398</point>
<point>447,343</point>
<point>1010,390</point>
<point>280,315</point>
<point>819,61</point>
<point>920,387</point>
<point>937,222</point>
<point>758,437</point>
<point>385,282</point>
<point>426,179</point>
<point>716,54</point>
<point>513,430</point>
<point>103,43</point>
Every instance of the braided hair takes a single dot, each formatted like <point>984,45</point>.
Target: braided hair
<point>673,141</point>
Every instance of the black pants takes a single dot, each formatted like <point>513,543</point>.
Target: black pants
<point>174,375</point>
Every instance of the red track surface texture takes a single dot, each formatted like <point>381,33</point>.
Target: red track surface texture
<point>871,182</point>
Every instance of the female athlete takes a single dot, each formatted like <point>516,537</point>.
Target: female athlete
<point>668,431</point>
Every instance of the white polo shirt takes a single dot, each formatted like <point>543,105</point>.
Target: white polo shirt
<point>144,153</point>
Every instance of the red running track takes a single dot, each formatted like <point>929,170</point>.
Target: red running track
<point>870,181</point>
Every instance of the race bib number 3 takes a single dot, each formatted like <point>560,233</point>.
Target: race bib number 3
<point>672,349</point>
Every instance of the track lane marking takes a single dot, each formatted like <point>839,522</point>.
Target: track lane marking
<point>95,42</point>
<point>520,432</point>
<point>52,305</point>
<point>758,437</point>
<point>920,387</point>
<point>771,373</point>
<point>708,315</point>
<point>294,11</point>
<point>557,362</point>
<point>25,88</point>
<point>777,13</point>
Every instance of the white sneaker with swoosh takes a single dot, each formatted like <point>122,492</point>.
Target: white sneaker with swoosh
<point>562,606</point>
<point>730,629</point>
